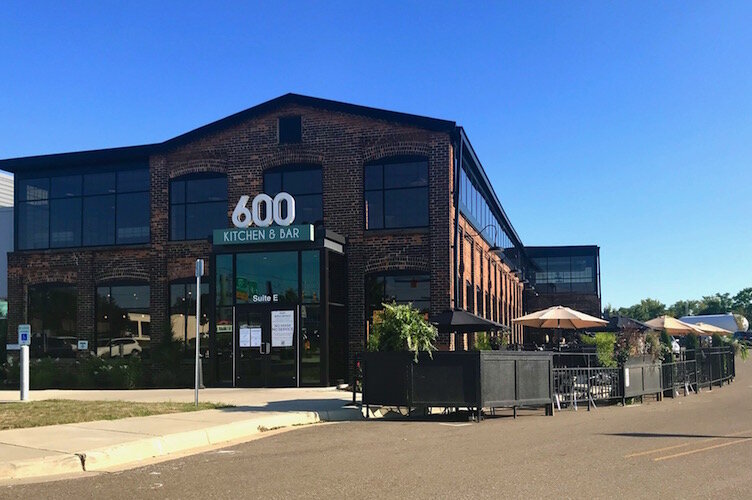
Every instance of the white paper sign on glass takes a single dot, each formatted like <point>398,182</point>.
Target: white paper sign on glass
<point>283,328</point>
<point>256,337</point>
<point>245,337</point>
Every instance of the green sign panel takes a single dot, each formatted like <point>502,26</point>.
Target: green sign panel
<point>271,234</point>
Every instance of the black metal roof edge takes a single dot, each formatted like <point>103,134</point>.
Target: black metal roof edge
<point>488,186</point>
<point>143,151</point>
<point>537,247</point>
<point>563,250</point>
<point>425,122</point>
<point>79,158</point>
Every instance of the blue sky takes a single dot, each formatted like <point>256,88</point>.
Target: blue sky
<point>623,124</point>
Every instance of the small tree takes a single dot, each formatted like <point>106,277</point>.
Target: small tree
<point>692,342</point>
<point>653,345</point>
<point>482,342</point>
<point>604,343</point>
<point>403,328</point>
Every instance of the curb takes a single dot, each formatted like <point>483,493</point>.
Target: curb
<point>160,446</point>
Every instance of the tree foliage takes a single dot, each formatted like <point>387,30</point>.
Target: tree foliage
<point>718,303</point>
<point>604,343</point>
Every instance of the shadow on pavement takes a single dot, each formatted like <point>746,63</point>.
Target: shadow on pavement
<point>292,405</point>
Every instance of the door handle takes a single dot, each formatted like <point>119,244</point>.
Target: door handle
<point>265,348</point>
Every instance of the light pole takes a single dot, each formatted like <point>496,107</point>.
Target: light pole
<point>199,273</point>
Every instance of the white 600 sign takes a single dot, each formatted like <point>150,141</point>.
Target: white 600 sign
<point>242,216</point>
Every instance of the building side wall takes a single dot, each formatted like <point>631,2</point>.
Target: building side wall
<point>482,267</point>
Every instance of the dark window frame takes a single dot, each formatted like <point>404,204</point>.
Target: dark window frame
<point>184,203</point>
<point>81,174</point>
<point>206,305</point>
<point>111,285</point>
<point>290,136</point>
<point>291,168</point>
<point>391,274</point>
<point>396,160</point>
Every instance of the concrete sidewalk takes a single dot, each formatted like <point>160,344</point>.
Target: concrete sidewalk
<point>101,445</point>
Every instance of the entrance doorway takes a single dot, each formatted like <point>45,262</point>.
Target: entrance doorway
<point>266,340</point>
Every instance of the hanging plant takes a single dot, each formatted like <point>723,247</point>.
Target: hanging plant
<point>403,328</point>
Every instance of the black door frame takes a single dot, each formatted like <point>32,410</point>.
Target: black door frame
<point>266,351</point>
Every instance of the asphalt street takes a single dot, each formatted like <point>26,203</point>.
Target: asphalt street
<point>695,446</point>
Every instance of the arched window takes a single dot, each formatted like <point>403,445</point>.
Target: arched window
<point>123,319</point>
<point>52,316</point>
<point>198,205</point>
<point>396,193</point>
<point>303,182</point>
<point>183,313</point>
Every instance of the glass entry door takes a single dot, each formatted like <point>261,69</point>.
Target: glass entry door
<point>266,346</point>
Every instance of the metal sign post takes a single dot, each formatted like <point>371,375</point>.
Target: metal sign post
<point>24,339</point>
<point>199,273</point>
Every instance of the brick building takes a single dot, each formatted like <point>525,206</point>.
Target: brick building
<point>106,241</point>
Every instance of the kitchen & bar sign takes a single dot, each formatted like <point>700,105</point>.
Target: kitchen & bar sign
<point>264,210</point>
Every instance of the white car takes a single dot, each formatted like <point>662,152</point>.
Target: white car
<point>120,347</point>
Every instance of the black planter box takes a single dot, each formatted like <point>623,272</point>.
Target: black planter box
<point>476,379</point>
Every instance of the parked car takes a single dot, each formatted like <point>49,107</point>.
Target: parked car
<point>745,337</point>
<point>120,347</point>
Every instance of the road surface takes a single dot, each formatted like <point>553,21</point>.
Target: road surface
<point>694,446</point>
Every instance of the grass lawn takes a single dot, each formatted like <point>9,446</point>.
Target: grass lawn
<point>62,411</point>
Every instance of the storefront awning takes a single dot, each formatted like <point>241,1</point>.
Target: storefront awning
<point>463,322</point>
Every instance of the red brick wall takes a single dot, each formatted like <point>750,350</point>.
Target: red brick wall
<point>488,265</point>
<point>340,142</point>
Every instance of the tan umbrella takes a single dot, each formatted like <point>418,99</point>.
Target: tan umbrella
<point>560,317</point>
<point>673,326</point>
<point>709,329</point>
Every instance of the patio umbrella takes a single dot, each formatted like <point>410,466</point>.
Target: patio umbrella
<point>560,317</point>
<point>673,326</point>
<point>709,329</point>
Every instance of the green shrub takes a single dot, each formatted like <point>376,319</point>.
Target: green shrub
<point>665,338</point>
<point>717,340</point>
<point>482,342</point>
<point>403,328</point>
<point>692,341</point>
<point>604,343</point>
<point>500,341</point>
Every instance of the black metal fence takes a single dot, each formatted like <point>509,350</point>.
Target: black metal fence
<point>575,386</point>
<point>575,378</point>
<point>679,376</point>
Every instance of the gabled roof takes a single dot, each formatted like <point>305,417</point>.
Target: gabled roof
<point>132,153</point>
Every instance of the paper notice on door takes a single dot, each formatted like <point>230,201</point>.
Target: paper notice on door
<point>245,337</point>
<point>283,328</point>
<point>256,337</point>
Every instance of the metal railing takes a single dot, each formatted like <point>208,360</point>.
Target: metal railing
<point>583,385</point>
<point>679,376</point>
<point>715,365</point>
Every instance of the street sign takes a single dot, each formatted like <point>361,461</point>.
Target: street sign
<point>83,345</point>
<point>24,334</point>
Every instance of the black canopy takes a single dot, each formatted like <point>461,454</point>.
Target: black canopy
<point>621,323</point>
<point>464,322</point>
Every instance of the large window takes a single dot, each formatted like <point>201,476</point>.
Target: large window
<point>396,194</point>
<point>123,320</point>
<point>267,273</point>
<point>183,314</point>
<point>52,316</point>
<point>561,274</point>
<point>104,208</point>
<point>407,288</point>
<point>303,182</point>
<point>198,205</point>
<point>476,209</point>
